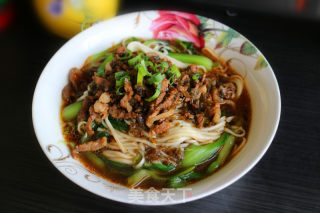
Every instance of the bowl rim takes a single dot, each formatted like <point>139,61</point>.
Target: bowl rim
<point>187,199</point>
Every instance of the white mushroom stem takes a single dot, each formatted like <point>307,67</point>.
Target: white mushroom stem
<point>137,46</point>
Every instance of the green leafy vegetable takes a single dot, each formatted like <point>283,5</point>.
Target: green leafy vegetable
<point>193,59</point>
<point>159,166</point>
<point>139,176</point>
<point>213,167</point>
<point>118,124</point>
<point>101,134</point>
<point>195,154</point>
<point>101,68</point>
<point>142,174</point>
<point>116,165</point>
<point>186,45</point>
<point>71,111</point>
<point>180,179</point>
<point>94,159</point>
<point>226,149</point>
<point>176,182</point>
<point>223,154</point>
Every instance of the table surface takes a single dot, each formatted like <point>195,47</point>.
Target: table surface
<point>286,179</point>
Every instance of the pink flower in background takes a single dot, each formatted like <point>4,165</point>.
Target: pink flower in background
<point>172,25</point>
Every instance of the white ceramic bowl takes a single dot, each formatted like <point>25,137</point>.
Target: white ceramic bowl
<point>244,57</point>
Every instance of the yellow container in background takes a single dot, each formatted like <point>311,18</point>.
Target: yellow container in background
<point>66,18</point>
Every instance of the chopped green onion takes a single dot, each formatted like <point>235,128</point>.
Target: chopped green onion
<point>163,65</point>
<point>101,68</point>
<point>127,55</point>
<point>118,91</point>
<point>156,94</point>
<point>196,76</point>
<point>120,77</point>
<point>150,64</point>
<point>193,59</point>
<point>195,154</point>
<point>142,72</point>
<point>156,78</point>
<point>128,40</point>
<point>175,71</point>
<point>97,56</point>
<point>71,111</point>
<point>135,59</point>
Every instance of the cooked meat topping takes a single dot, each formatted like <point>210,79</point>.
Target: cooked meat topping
<point>91,145</point>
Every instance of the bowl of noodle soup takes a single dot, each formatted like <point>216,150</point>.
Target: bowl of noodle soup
<point>156,107</point>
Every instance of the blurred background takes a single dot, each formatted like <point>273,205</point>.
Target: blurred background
<point>287,32</point>
<point>65,18</point>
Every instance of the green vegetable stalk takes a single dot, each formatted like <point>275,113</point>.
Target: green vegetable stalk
<point>193,59</point>
<point>195,154</point>
<point>71,111</point>
<point>223,154</point>
<point>94,159</point>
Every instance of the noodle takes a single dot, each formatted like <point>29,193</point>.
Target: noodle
<point>115,136</point>
<point>238,81</point>
<point>79,126</point>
